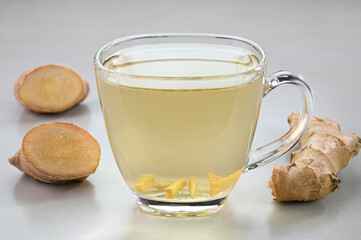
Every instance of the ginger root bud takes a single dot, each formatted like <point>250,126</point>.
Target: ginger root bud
<point>312,172</point>
<point>57,153</point>
<point>50,89</point>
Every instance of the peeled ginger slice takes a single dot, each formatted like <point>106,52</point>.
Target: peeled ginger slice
<point>192,186</point>
<point>172,190</point>
<point>145,182</point>
<point>220,184</point>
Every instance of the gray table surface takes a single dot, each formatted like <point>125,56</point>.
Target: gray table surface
<point>319,39</point>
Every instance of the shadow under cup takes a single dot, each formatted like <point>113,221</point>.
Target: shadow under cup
<point>181,112</point>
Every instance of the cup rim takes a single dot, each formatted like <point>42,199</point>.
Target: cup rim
<point>99,66</point>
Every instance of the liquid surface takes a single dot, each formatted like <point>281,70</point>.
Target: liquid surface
<point>174,129</point>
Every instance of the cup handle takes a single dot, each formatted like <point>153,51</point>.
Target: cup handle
<point>277,148</point>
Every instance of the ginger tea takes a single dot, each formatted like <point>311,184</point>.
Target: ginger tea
<point>181,122</point>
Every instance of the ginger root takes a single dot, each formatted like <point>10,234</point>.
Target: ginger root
<point>50,89</point>
<point>312,172</point>
<point>57,153</point>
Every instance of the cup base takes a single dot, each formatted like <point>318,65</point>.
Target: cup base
<point>181,209</point>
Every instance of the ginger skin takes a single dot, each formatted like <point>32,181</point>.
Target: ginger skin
<point>312,172</point>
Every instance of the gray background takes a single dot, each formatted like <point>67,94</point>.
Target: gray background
<point>319,39</point>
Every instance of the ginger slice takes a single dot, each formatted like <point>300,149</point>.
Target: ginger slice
<point>161,186</point>
<point>312,172</point>
<point>145,182</point>
<point>220,184</point>
<point>172,190</point>
<point>192,186</point>
<point>213,177</point>
<point>50,89</point>
<point>57,153</point>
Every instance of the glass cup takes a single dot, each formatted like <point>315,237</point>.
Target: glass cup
<point>181,111</point>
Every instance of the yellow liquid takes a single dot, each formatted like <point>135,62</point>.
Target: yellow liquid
<point>179,133</point>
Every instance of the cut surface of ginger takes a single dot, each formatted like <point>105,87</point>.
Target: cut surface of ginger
<point>57,153</point>
<point>220,184</point>
<point>50,89</point>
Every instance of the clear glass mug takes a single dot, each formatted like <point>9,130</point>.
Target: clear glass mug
<point>180,112</point>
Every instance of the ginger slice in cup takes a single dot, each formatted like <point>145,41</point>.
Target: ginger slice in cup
<point>57,153</point>
<point>213,177</point>
<point>192,186</point>
<point>161,186</point>
<point>50,89</point>
<point>220,184</point>
<point>145,182</point>
<point>172,190</point>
